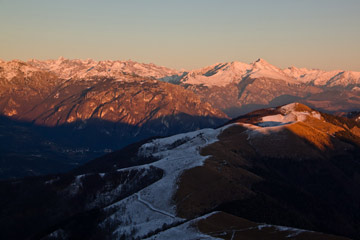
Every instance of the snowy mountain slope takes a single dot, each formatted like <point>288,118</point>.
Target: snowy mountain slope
<point>323,78</point>
<point>153,206</point>
<point>222,74</point>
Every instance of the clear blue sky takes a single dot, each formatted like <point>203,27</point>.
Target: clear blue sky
<point>185,34</point>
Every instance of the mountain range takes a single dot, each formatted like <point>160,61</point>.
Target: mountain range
<point>257,83</point>
<point>105,105</point>
<point>237,88</point>
<point>289,172</point>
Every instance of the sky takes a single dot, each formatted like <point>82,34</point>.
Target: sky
<point>185,34</point>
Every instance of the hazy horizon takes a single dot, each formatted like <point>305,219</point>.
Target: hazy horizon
<point>185,34</point>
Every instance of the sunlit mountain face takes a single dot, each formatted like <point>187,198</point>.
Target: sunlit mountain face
<point>59,114</point>
<point>276,173</point>
<point>237,88</point>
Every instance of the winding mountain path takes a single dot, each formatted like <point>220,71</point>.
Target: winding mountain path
<point>150,206</point>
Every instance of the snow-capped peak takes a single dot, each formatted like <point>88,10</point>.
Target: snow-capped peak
<point>263,69</point>
<point>78,68</point>
<point>222,74</point>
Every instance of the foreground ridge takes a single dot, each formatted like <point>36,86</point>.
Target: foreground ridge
<point>250,177</point>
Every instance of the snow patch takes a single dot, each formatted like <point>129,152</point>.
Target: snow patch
<point>295,231</point>
<point>186,229</point>
<point>51,181</point>
<point>102,175</point>
<point>275,123</point>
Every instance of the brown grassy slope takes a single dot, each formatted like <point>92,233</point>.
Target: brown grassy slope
<point>223,177</point>
<point>300,175</point>
<point>226,176</point>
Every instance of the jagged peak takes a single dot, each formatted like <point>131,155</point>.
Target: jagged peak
<point>61,58</point>
<point>15,63</point>
<point>262,61</point>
